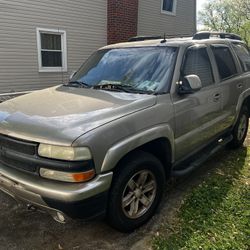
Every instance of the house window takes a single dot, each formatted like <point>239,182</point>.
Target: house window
<point>52,52</point>
<point>168,7</point>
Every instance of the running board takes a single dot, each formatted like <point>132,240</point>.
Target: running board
<point>204,156</point>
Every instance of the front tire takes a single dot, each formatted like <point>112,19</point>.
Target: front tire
<point>240,129</point>
<point>136,191</point>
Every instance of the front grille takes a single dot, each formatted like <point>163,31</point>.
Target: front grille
<point>11,149</point>
<point>21,146</point>
<point>23,155</point>
<point>13,163</point>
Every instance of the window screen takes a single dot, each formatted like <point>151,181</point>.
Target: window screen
<point>168,5</point>
<point>197,62</point>
<point>225,61</point>
<point>51,50</point>
<point>243,55</point>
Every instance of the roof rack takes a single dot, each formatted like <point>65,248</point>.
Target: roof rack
<point>208,34</point>
<point>143,38</point>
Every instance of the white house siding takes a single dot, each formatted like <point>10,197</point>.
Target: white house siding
<point>83,20</point>
<point>152,22</point>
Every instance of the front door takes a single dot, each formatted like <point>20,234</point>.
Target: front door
<point>197,115</point>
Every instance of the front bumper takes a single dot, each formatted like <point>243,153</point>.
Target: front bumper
<point>75,200</point>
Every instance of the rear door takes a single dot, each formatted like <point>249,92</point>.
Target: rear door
<point>197,115</point>
<point>243,55</point>
<point>230,81</point>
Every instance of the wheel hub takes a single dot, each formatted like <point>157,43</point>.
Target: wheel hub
<point>138,193</point>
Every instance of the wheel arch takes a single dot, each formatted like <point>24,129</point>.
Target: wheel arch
<point>159,141</point>
<point>162,150</point>
<point>244,99</point>
<point>247,103</point>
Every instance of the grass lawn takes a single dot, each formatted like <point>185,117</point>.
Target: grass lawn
<point>215,214</point>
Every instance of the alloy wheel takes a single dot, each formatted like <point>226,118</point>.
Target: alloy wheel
<point>242,127</point>
<point>139,194</point>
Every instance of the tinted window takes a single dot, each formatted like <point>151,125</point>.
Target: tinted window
<point>243,55</point>
<point>225,61</point>
<point>197,62</point>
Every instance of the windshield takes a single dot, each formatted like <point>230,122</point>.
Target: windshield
<point>143,69</point>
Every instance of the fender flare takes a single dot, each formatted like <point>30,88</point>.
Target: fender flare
<point>243,96</point>
<point>123,147</point>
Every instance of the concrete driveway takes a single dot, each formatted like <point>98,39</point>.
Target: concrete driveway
<point>22,229</point>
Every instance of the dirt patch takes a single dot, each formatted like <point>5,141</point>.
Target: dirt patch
<point>21,229</point>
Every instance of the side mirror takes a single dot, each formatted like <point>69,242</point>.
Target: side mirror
<point>72,74</point>
<point>189,85</point>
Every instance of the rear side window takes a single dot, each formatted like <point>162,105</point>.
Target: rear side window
<point>197,62</point>
<point>225,61</point>
<point>243,55</point>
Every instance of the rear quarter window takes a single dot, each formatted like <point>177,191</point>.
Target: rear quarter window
<point>243,55</point>
<point>225,62</point>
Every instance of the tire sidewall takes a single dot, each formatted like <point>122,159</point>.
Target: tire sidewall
<point>236,142</point>
<point>127,170</point>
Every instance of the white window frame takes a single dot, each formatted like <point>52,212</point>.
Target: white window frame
<point>40,31</point>
<point>170,13</point>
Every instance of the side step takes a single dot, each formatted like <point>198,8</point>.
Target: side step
<point>204,156</point>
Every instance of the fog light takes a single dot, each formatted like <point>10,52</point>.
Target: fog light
<point>67,176</point>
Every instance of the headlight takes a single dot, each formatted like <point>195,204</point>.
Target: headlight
<point>64,153</point>
<point>67,176</point>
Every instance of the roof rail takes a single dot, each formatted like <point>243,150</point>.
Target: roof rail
<point>208,34</point>
<point>143,38</point>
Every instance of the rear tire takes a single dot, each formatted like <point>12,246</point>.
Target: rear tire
<point>240,129</point>
<point>136,191</point>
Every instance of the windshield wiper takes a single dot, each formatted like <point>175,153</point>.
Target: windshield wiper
<point>121,88</point>
<point>77,84</point>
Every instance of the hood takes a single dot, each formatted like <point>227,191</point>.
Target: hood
<point>61,114</point>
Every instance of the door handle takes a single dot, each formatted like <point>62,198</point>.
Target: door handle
<point>239,85</point>
<point>216,97</point>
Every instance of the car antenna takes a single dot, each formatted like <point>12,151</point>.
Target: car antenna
<point>164,38</point>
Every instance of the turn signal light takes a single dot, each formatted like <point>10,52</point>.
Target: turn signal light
<point>67,176</point>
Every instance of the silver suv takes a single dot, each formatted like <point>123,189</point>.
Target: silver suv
<point>133,115</point>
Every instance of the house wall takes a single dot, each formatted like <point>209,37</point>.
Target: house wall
<point>152,22</point>
<point>83,20</point>
<point>122,20</point>
<point>86,25</point>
